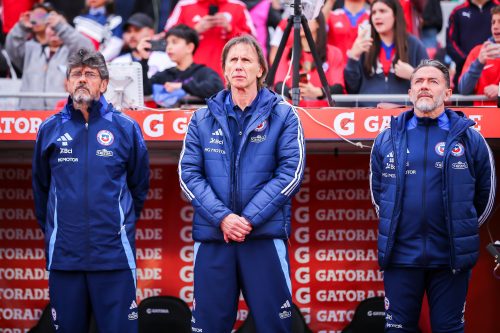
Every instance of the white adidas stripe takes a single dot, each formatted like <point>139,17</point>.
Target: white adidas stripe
<point>300,166</point>
<point>493,183</point>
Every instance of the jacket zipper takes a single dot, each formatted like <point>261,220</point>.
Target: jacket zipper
<point>446,205</point>
<point>87,188</point>
<point>424,189</point>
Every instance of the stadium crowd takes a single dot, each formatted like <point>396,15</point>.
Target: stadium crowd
<point>365,46</point>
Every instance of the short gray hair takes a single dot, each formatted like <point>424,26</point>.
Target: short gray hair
<point>436,64</point>
<point>88,58</point>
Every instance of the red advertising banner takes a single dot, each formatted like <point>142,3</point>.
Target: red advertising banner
<point>332,248</point>
<point>319,124</point>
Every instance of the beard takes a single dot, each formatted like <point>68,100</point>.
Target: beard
<point>82,96</point>
<point>424,105</point>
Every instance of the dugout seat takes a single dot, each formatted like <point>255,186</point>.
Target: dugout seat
<point>164,314</point>
<point>369,317</point>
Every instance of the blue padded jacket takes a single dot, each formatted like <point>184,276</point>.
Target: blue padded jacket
<point>468,186</point>
<point>260,176</point>
<point>90,181</point>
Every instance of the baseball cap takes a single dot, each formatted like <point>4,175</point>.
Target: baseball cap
<point>139,20</point>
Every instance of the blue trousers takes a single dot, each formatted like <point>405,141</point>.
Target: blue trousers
<point>404,291</point>
<point>110,295</point>
<point>257,268</point>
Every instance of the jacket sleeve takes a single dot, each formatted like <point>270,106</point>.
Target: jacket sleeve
<point>484,166</point>
<point>204,83</point>
<point>470,76</point>
<point>15,44</point>
<point>71,38</point>
<point>288,174</point>
<point>375,174</point>
<point>41,176</point>
<point>452,36</point>
<point>353,75</point>
<point>138,170</point>
<point>193,181</point>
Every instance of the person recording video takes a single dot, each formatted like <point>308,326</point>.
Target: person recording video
<point>42,58</point>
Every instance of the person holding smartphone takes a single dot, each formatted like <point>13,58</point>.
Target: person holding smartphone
<point>42,59</point>
<point>216,22</point>
<point>481,72</point>
<point>137,27</point>
<point>383,62</point>
<point>186,78</point>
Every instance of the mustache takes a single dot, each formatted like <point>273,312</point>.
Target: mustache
<point>424,94</point>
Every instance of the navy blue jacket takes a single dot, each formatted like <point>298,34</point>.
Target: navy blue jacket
<point>467,187</point>
<point>260,176</point>
<point>90,181</point>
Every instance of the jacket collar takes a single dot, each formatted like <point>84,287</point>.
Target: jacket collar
<point>99,108</point>
<point>458,122</point>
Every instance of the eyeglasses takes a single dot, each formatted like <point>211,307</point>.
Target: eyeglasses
<point>88,75</point>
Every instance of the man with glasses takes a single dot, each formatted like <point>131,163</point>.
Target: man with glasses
<point>90,180</point>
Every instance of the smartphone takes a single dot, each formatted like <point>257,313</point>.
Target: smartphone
<point>303,77</point>
<point>365,28</point>
<point>159,45</point>
<point>212,10</point>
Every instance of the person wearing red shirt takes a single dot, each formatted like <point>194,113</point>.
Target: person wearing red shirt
<point>311,92</point>
<point>216,21</point>
<point>481,72</point>
<point>343,24</point>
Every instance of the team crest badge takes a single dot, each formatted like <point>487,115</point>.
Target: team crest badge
<point>105,138</point>
<point>386,303</point>
<point>458,150</point>
<point>262,126</point>
<point>440,148</point>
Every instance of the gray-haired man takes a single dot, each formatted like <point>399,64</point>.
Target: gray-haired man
<point>90,179</point>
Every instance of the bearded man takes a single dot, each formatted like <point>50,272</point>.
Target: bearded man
<point>433,185</point>
<point>90,180</point>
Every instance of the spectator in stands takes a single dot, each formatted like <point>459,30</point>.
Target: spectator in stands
<point>481,72</point>
<point>468,26</point>
<point>310,85</point>
<point>343,24</point>
<point>44,65</point>
<point>138,27</point>
<point>187,78</point>
<point>102,27</point>
<point>216,21</point>
<point>382,58</point>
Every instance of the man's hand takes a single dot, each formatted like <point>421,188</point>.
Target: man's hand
<point>54,19</point>
<point>171,86</point>
<point>205,23</point>
<point>403,69</point>
<point>144,48</point>
<point>220,20</point>
<point>488,51</point>
<point>491,91</point>
<point>25,20</point>
<point>235,228</point>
